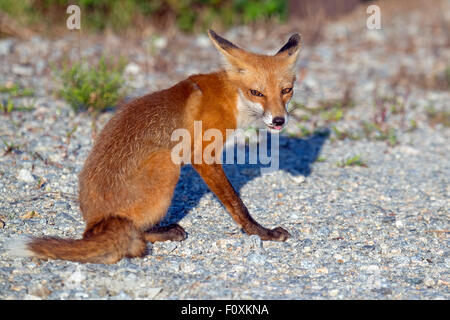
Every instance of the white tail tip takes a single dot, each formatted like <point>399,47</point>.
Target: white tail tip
<point>18,247</point>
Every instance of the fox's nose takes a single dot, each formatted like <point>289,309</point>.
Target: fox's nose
<point>278,121</point>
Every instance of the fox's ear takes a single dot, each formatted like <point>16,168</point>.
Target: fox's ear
<point>291,49</point>
<point>233,55</point>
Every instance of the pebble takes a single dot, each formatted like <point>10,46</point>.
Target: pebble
<point>429,282</point>
<point>132,68</point>
<point>22,70</point>
<point>26,176</point>
<point>187,267</point>
<point>399,224</point>
<point>252,244</point>
<point>333,293</point>
<point>298,179</point>
<point>371,268</point>
<point>160,42</point>
<point>255,258</point>
<point>6,46</point>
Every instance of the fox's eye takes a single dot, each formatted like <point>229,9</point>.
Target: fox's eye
<point>286,90</point>
<point>256,93</point>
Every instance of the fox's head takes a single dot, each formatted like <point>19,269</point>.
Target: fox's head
<point>265,83</point>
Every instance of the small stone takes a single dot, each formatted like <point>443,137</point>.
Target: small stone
<point>307,264</point>
<point>41,291</point>
<point>294,215</point>
<point>187,267</point>
<point>224,244</point>
<point>443,283</point>
<point>414,281</point>
<point>30,215</point>
<point>2,224</point>
<point>152,292</point>
<point>75,279</point>
<point>160,42</point>
<point>298,179</point>
<point>383,291</point>
<point>333,293</point>
<point>388,219</point>
<point>408,150</point>
<point>258,259</point>
<point>132,68</point>
<point>323,270</point>
<point>399,224</point>
<point>122,296</point>
<point>22,70</point>
<point>26,176</point>
<point>429,282</point>
<point>338,258</point>
<point>371,268</point>
<point>252,244</point>
<point>335,235</point>
<point>323,231</point>
<point>170,246</point>
<point>6,47</point>
<point>239,268</point>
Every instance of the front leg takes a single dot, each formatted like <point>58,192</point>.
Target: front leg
<point>217,181</point>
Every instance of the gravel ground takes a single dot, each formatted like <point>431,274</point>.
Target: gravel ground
<point>358,232</point>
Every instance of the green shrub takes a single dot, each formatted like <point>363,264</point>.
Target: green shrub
<point>93,88</point>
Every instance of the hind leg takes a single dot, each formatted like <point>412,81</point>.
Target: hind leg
<point>152,190</point>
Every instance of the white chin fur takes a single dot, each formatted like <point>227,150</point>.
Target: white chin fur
<point>18,247</point>
<point>271,130</point>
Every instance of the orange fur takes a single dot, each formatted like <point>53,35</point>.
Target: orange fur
<point>128,180</point>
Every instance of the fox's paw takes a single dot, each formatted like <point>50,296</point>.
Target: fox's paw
<point>278,234</point>
<point>177,233</point>
<point>174,232</point>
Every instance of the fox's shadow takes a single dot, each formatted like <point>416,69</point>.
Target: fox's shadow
<point>295,156</point>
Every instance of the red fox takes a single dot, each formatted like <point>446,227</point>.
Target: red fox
<point>127,182</point>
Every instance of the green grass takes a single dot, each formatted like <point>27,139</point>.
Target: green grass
<point>413,125</point>
<point>7,106</point>
<point>328,110</point>
<point>382,132</point>
<point>333,115</point>
<point>304,132</point>
<point>10,146</point>
<point>93,88</point>
<point>438,116</point>
<point>351,162</point>
<point>15,90</point>
<point>187,15</point>
<point>344,134</point>
<point>320,159</point>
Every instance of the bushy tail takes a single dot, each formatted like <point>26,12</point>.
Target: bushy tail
<point>106,242</point>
